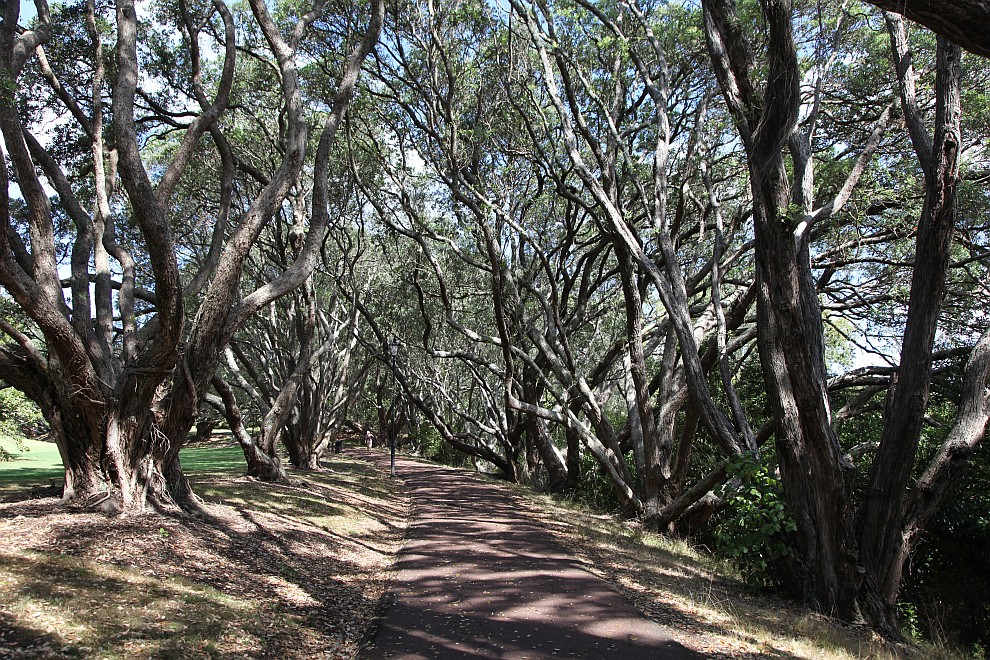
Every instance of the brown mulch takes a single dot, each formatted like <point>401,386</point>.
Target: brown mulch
<point>277,584</point>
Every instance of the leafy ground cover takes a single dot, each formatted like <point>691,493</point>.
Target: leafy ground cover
<point>287,571</point>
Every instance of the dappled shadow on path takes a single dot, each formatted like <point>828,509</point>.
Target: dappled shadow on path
<point>477,578</point>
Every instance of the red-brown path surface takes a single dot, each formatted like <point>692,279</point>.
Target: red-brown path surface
<point>478,579</point>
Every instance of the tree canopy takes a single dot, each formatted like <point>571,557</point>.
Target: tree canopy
<point>621,246</point>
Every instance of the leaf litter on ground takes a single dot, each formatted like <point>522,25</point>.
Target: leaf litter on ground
<point>272,570</point>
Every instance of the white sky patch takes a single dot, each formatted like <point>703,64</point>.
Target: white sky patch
<point>12,188</point>
<point>28,12</point>
<point>415,162</point>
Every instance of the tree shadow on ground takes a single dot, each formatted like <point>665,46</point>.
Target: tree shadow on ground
<point>247,580</point>
<point>460,521</point>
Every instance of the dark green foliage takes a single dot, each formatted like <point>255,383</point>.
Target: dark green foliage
<point>432,446</point>
<point>19,419</point>
<point>753,531</point>
<point>948,577</point>
<point>595,489</point>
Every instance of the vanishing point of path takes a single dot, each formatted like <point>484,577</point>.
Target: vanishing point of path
<point>478,579</point>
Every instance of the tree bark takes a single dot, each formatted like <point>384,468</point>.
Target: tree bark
<point>656,455</point>
<point>962,22</point>
<point>882,536</point>
<point>790,335</point>
<point>122,407</point>
<point>263,462</point>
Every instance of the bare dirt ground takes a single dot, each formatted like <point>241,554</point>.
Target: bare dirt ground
<point>273,571</point>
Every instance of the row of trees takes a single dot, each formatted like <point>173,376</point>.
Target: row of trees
<point>632,238</point>
<point>120,393</point>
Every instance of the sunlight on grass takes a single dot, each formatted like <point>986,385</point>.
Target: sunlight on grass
<point>292,570</point>
<point>42,464</point>
<point>38,465</point>
<point>212,459</point>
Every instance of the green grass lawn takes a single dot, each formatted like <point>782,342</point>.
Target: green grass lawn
<point>205,460</point>
<point>40,463</point>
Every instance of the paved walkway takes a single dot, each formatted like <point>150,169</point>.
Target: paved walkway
<point>476,579</point>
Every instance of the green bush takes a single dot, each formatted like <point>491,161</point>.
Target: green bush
<point>753,531</point>
<point>434,448</point>
<point>20,419</point>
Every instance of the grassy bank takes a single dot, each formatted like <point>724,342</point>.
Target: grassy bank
<point>287,571</point>
<point>704,601</point>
